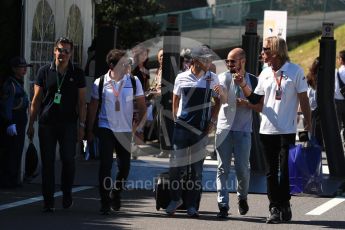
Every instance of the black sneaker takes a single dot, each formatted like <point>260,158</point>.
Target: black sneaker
<point>242,207</point>
<point>223,213</point>
<point>48,209</point>
<point>67,201</point>
<point>286,212</point>
<point>105,210</point>
<point>115,200</point>
<point>274,216</point>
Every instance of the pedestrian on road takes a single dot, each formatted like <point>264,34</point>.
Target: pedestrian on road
<point>233,135</point>
<point>140,70</point>
<point>14,103</point>
<point>338,96</point>
<point>312,87</point>
<point>156,102</point>
<point>114,124</point>
<point>194,119</point>
<point>59,97</point>
<point>281,87</point>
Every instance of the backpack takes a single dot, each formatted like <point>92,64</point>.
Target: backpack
<point>100,91</point>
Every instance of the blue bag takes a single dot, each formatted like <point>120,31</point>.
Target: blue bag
<point>305,168</point>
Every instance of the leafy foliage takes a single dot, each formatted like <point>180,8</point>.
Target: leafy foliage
<point>305,53</point>
<point>10,18</point>
<point>128,17</point>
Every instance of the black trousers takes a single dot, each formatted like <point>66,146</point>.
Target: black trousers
<point>315,116</point>
<point>276,152</point>
<point>12,151</point>
<point>66,136</point>
<point>108,141</point>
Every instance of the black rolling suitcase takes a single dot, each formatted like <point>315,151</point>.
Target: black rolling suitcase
<point>162,193</point>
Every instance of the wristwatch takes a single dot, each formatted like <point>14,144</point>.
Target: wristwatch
<point>82,124</point>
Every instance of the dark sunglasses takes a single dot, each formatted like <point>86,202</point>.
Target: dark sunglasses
<point>63,50</point>
<point>265,49</point>
<point>231,61</point>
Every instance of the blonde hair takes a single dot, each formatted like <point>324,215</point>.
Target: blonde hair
<point>278,47</point>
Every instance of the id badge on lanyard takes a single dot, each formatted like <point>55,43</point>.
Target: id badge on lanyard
<point>57,98</point>
<point>279,91</point>
<point>58,95</point>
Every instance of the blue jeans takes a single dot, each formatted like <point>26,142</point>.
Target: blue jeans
<point>188,155</point>
<point>228,143</point>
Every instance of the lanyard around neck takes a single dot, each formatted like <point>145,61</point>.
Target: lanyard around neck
<point>116,92</point>
<point>58,80</point>
<point>279,82</point>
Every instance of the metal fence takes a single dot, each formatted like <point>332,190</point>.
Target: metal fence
<point>222,24</point>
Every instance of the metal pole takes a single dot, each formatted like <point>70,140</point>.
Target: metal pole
<point>171,63</point>
<point>325,102</point>
<point>324,10</point>
<point>210,9</point>
<point>250,44</point>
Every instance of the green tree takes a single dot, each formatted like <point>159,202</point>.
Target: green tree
<point>128,17</point>
<point>10,24</point>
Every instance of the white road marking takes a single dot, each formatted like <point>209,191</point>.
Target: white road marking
<point>326,206</point>
<point>325,169</point>
<point>39,198</point>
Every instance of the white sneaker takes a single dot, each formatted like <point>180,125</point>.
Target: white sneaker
<point>173,206</point>
<point>163,155</point>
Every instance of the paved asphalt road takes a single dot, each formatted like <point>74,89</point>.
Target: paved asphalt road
<point>21,208</point>
<point>139,212</point>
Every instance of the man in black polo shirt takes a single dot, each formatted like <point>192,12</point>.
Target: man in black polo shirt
<point>60,99</point>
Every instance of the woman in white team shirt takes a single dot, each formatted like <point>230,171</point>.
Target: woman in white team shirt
<point>281,87</point>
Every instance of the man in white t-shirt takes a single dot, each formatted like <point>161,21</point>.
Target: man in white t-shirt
<point>233,136</point>
<point>115,124</point>
<point>338,97</point>
<point>281,87</point>
<point>194,118</point>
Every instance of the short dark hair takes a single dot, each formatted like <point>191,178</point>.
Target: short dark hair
<point>342,55</point>
<point>65,40</point>
<point>114,56</point>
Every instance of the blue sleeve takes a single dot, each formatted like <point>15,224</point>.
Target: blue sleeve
<point>7,103</point>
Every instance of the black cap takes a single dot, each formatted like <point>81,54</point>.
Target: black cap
<point>202,52</point>
<point>19,62</point>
